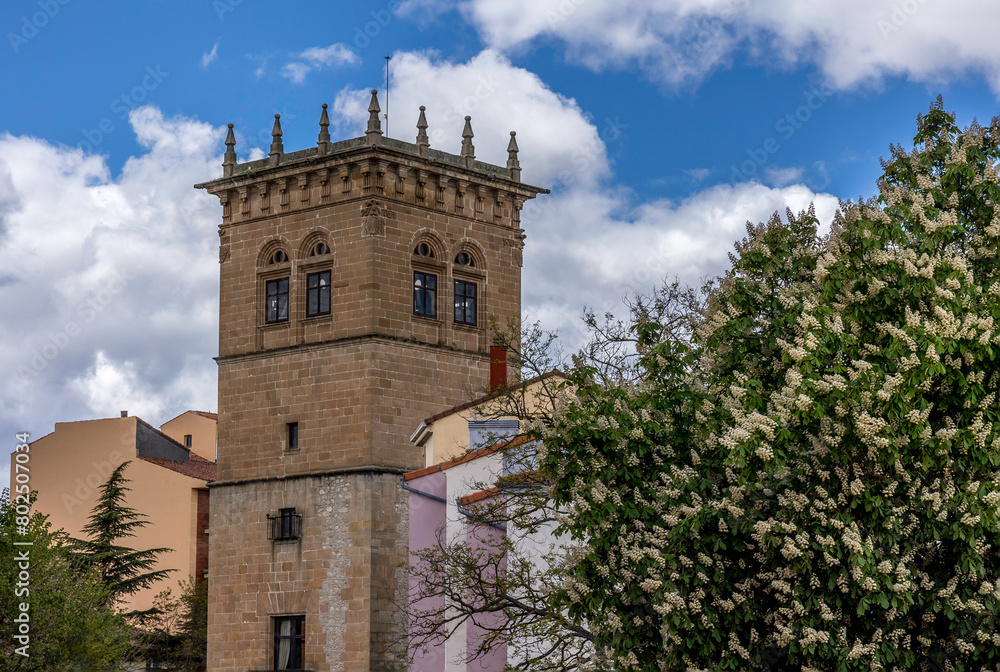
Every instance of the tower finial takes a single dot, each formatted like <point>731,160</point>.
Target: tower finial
<point>468,150</point>
<point>229,159</point>
<point>374,132</point>
<point>513,165</point>
<point>277,148</point>
<point>423,142</point>
<point>324,132</point>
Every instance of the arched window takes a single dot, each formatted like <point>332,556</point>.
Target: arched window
<point>424,250</point>
<point>279,257</point>
<point>319,249</point>
<point>465,259</point>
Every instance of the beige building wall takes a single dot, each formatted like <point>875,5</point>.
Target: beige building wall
<point>200,426</point>
<point>446,435</point>
<point>68,468</point>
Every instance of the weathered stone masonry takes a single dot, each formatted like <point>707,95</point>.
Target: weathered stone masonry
<point>356,381</point>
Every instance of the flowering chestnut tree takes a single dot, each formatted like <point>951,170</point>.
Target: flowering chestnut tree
<point>812,480</point>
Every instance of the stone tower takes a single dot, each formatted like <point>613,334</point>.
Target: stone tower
<point>359,281</point>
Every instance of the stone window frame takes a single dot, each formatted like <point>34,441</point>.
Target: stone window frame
<point>266,272</point>
<point>300,637</point>
<point>287,294</point>
<point>319,289</point>
<point>430,265</point>
<point>474,274</point>
<point>425,274</point>
<point>309,264</point>
<point>473,297</point>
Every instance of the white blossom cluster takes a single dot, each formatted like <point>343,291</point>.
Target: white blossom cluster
<point>822,485</point>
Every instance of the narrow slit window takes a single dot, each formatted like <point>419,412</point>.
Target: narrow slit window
<point>293,435</point>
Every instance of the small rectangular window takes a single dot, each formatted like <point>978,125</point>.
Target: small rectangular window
<point>465,302</point>
<point>277,300</point>
<point>293,435</point>
<point>289,642</point>
<point>424,294</point>
<point>187,440</point>
<point>318,294</point>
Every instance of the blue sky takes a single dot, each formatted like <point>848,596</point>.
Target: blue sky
<point>661,125</point>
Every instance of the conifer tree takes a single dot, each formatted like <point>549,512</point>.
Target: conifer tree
<point>125,571</point>
<point>67,624</point>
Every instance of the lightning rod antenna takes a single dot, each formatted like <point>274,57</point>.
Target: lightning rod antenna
<point>387,58</point>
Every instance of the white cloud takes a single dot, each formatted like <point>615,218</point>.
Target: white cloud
<point>334,55</point>
<point>295,71</point>
<point>318,58</point>
<point>779,177</point>
<point>853,42</point>
<point>588,243</point>
<point>210,57</point>
<point>553,133</point>
<point>110,285</point>
<point>697,174</point>
<point>112,295</point>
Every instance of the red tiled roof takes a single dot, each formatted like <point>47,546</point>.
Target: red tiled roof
<point>448,464</point>
<point>200,469</point>
<point>479,496</point>
<point>199,458</point>
<point>487,397</point>
<point>206,414</point>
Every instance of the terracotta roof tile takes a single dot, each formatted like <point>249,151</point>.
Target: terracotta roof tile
<point>203,470</point>
<point>448,464</point>
<point>206,414</point>
<point>479,496</point>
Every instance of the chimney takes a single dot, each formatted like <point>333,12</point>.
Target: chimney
<point>498,367</point>
<point>125,413</point>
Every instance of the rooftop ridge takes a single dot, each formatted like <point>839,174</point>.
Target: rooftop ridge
<point>419,150</point>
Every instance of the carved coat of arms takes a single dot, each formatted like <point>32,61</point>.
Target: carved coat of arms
<point>373,215</point>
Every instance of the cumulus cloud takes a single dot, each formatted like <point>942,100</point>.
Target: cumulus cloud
<point>553,133</point>
<point>853,42</point>
<point>588,243</point>
<point>113,291</point>
<point>210,57</point>
<point>318,58</point>
<point>780,177</point>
